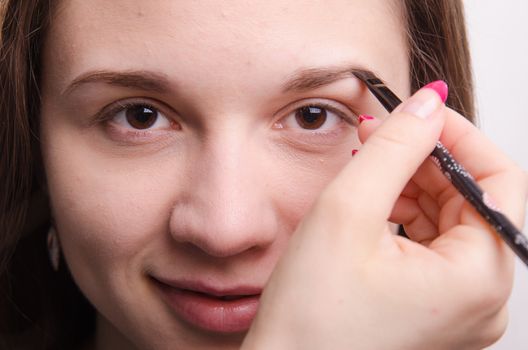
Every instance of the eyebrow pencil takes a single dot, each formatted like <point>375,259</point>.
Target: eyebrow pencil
<point>459,177</point>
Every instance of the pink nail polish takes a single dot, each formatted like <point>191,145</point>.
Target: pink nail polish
<point>354,152</point>
<point>440,87</point>
<point>362,118</point>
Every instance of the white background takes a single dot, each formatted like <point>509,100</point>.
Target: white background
<point>499,41</point>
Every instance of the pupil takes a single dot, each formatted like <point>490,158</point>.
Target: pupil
<point>311,117</point>
<point>141,117</point>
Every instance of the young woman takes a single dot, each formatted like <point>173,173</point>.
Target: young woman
<point>189,165</point>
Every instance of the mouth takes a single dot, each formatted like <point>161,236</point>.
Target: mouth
<point>215,309</point>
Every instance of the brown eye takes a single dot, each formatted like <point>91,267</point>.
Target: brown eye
<point>141,117</point>
<point>311,117</point>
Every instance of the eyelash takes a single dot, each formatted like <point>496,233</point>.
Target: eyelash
<point>352,120</point>
<point>110,112</point>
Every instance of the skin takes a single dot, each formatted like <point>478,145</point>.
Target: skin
<point>126,208</point>
<point>420,292</point>
<point>129,207</point>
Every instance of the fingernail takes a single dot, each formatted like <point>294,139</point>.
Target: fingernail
<point>440,87</point>
<point>362,118</point>
<point>354,152</point>
<point>423,104</point>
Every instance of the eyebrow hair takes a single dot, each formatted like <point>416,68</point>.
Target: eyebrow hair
<point>312,78</point>
<point>301,80</point>
<point>142,80</point>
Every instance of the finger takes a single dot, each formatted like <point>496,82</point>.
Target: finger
<point>418,226</point>
<point>411,190</point>
<point>367,127</point>
<point>428,174</point>
<point>496,173</point>
<point>450,213</point>
<point>470,146</point>
<point>468,240</point>
<point>415,209</point>
<point>426,203</point>
<point>364,193</point>
<point>462,136</point>
<point>430,179</point>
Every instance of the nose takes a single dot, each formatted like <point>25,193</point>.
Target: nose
<point>227,207</point>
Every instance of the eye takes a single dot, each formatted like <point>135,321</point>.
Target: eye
<point>311,117</point>
<point>141,117</point>
<point>317,117</point>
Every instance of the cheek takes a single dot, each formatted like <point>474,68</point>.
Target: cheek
<point>107,212</point>
<point>113,212</point>
<point>300,178</point>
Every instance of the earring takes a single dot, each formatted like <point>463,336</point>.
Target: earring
<point>53,248</point>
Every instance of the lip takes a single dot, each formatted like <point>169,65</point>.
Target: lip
<point>217,309</point>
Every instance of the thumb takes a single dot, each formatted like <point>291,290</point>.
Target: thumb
<point>362,197</point>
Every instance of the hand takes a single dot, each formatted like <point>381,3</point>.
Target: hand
<point>347,282</point>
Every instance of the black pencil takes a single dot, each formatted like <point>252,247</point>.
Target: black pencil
<point>459,177</point>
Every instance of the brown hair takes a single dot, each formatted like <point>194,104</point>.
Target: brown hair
<point>439,50</point>
<point>43,309</point>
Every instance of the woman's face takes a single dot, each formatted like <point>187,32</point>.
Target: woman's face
<point>184,140</point>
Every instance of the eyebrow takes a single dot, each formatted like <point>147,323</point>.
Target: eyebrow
<point>312,78</point>
<point>301,80</point>
<point>141,80</point>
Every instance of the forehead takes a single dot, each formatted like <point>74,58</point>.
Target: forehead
<point>207,37</point>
